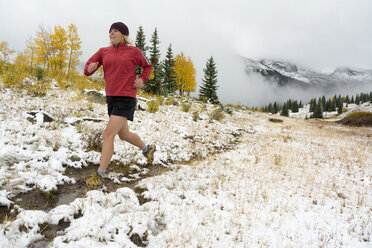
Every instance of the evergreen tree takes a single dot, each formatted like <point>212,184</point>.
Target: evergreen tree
<point>347,99</point>
<point>323,102</point>
<point>141,44</point>
<point>209,87</point>
<point>340,106</point>
<point>169,84</point>
<point>327,106</point>
<point>270,108</point>
<point>370,97</point>
<point>295,107</point>
<point>318,111</point>
<point>333,103</point>
<point>357,99</point>
<point>276,108</point>
<point>364,97</point>
<point>312,104</point>
<point>284,111</point>
<point>289,104</point>
<point>154,83</point>
<point>352,99</point>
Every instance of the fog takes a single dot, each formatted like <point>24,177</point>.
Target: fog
<point>321,35</point>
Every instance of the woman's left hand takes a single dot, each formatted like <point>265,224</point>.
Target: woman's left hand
<point>138,83</point>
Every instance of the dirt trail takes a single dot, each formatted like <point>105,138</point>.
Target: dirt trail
<point>66,193</point>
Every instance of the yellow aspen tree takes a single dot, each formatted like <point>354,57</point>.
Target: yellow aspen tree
<point>5,50</point>
<point>42,47</point>
<point>30,52</point>
<point>21,61</point>
<point>190,86</point>
<point>58,58</point>
<point>185,74</point>
<point>74,50</point>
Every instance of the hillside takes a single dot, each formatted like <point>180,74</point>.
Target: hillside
<point>240,181</point>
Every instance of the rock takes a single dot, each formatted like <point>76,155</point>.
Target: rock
<point>10,157</point>
<point>75,158</point>
<point>140,108</point>
<point>39,116</point>
<point>95,96</point>
<point>74,121</point>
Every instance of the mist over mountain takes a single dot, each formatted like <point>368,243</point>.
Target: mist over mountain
<point>282,80</point>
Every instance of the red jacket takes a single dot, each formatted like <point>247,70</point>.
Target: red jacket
<point>119,67</point>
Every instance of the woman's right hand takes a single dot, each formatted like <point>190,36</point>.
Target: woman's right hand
<point>92,67</point>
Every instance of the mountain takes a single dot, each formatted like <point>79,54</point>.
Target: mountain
<point>284,73</point>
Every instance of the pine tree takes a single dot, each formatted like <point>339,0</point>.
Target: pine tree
<point>276,107</point>
<point>333,103</point>
<point>270,108</point>
<point>324,103</point>
<point>357,99</point>
<point>284,111</point>
<point>340,106</point>
<point>289,104</point>
<point>154,83</point>
<point>209,87</point>
<point>295,107</point>
<point>312,104</point>
<point>141,44</point>
<point>169,84</point>
<point>318,111</point>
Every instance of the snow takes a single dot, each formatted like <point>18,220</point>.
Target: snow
<point>289,184</point>
<point>348,108</point>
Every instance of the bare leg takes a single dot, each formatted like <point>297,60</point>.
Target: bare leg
<point>126,135</point>
<point>113,127</point>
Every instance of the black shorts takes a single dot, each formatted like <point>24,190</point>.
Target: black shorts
<point>121,106</point>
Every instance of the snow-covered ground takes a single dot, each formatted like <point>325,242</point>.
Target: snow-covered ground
<point>349,108</point>
<point>240,182</point>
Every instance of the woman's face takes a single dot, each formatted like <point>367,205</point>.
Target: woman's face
<point>115,36</point>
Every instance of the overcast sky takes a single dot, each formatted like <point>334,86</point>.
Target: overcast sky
<point>319,34</point>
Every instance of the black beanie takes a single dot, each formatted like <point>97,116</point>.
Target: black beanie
<point>121,27</point>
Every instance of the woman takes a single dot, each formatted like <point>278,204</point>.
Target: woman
<point>121,84</point>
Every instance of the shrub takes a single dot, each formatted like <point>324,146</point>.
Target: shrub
<point>217,115</point>
<point>160,100</point>
<point>152,106</point>
<point>186,107</point>
<point>12,77</point>
<point>93,140</point>
<point>171,101</point>
<point>275,120</point>
<point>39,73</point>
<point>357,119</point>
<point>36,89</point>
<point>359,114</point>
<point>228,110</point>
<point>195,116</point>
